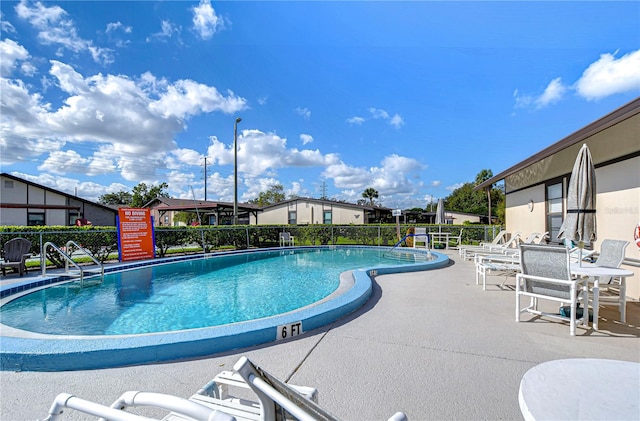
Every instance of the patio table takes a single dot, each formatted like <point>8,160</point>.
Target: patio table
<point>580,389</point>
<point>596,272</point>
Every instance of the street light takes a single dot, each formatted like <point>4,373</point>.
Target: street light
<point>235,171</point>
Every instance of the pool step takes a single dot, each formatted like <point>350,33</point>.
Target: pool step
<point>95,276</point>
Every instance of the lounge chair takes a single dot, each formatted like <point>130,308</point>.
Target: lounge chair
<point>510,247</point>
<point>496,264</point>
<point>16,253</point>
<point>611,290</point>
<point>457,239</point>
<point>286,239</point>
<point>276,401</point>
<point>500,238</point>
<point>545,274</point>
<point>182,409</point>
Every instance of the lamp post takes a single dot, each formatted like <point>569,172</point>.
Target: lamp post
<point>235,171</point>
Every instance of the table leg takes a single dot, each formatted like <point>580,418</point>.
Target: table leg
<point>596,302</point>
<point>623,299</point>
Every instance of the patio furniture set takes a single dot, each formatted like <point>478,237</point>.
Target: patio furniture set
<point>555,273</point>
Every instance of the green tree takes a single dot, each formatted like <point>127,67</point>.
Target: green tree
<point>274,194</point>
<point>186,217</point>
<point>118,198</point>
<point>466,199</point>
<point>143,194</point>
<point>370,194</point>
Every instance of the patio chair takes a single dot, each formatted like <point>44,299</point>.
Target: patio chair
<point>420,238</point>
<point>457,240</point>
<point>576,254</point>
<point>16,253</point>
<point>614,289</point>
<point>182,409</point>
<point>545,274</point>
<point>278,397</point>
<point>500,238</point>
<point>286,239</point>
<point>510,247</point>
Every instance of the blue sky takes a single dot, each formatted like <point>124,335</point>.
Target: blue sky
<point>410,98</point>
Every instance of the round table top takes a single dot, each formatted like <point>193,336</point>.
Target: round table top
<point>581,389</point>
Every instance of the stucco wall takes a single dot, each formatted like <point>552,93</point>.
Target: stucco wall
<point>617,210</point>
<point>311,213</point>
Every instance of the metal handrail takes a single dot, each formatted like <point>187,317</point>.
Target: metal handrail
<point>86,253</point>
<point>67,258</point>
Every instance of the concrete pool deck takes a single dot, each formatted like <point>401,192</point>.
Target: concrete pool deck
<point>431,344</point>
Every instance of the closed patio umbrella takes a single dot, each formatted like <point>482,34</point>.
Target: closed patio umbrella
<point>440,212</point>
<point>579,224</point>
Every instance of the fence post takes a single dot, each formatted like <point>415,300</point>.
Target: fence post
<point>43,258</point>
<point>246,230</point>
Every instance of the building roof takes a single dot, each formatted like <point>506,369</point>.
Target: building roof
<point>628,110</point>
<point>329,202</point>
<point>40,186</point>
<point>168,203</point>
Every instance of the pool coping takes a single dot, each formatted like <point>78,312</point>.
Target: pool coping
<point>38,352</point>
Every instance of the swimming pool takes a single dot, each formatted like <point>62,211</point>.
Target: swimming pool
<point>263,315</point>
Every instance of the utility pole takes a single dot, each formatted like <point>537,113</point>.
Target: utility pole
<point>205,178</point>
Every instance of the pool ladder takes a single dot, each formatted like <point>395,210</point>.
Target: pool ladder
<point>79,271</point>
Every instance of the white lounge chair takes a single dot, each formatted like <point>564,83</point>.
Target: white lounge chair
<point>286,239</point>
<point>182,408</point>
<point>545,274</point>
<point>275,401</point>
<point>496,264</point>
<point>500,238</point>
<point>420,238</point>
<point>510,247</point>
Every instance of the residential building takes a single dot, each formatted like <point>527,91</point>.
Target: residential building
<point>536,188</point>
<point>25,203</point>
<point>304,210</point>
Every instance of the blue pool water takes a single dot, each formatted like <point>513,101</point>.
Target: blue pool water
<point>192,294</point>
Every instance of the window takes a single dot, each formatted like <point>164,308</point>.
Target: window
<point>554,211</point>
<point>326,217</point>
<point>34,219</point>
<point>292,217</point>
<point>8,184</point>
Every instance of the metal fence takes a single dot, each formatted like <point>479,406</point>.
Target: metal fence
<point>102,241</point>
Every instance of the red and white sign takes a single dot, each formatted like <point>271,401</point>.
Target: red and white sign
<point>135,234</point>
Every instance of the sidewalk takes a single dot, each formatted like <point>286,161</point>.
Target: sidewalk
<point>431,344</point>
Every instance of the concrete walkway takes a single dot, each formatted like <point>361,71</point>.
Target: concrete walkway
<point>431,344</point>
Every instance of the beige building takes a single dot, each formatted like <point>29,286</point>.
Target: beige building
<point>536,188</point>
<point>303,210</point>
<point>24,203</point>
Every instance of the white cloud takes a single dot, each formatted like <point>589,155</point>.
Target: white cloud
<point>454,186</point>
<point>113,26</point>
<point>6,26</point>
<point>436,183</point>
<point>604,77</point>
<point>304,112</point>
<point>553,93</point>
<point>396,121</point>
<point>129,118</point>
<point>608,76</point>
<point>377,114</point>
<point>85,189</point>
<point>168,29</point>
<point>356,121</point>
<point>56,28</point>
<point>12,54</point>
<point>393,177</point>
<point>259,152</point>
<point>306,138</point>
<point>205,21</point>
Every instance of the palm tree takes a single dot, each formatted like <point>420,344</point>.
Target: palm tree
<point>370,194</point>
